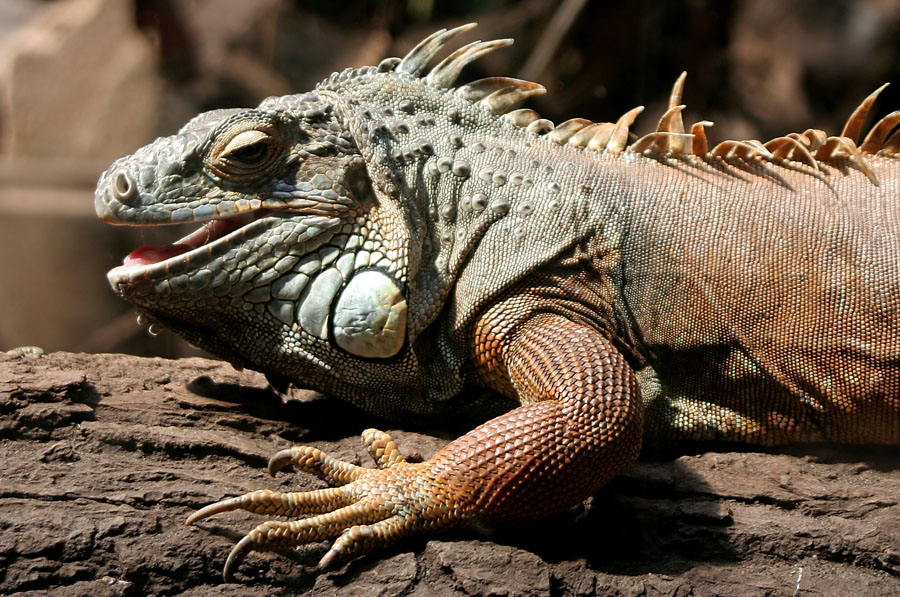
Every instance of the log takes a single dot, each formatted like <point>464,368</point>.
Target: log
<point>105,455</point>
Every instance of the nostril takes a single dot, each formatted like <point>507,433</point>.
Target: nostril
<point>123,186</point>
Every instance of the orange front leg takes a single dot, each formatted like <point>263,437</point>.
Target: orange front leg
<point>579,425</point>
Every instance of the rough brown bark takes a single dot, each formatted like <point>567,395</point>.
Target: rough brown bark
<point>104,456</point>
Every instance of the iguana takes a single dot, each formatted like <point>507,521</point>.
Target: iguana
<point>403,243</point>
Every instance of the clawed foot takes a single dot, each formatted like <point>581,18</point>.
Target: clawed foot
<point>366,508</point>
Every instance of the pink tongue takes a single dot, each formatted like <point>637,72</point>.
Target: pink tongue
<point>146,255</point>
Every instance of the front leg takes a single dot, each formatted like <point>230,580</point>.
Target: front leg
<point>579,425</point>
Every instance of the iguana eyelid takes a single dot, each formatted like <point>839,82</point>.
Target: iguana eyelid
<point>224,159</point>
<point>242,140</point>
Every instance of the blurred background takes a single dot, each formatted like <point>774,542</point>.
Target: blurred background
<point>83,82</point>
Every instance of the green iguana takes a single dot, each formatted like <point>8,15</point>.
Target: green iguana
<point>403,244</point>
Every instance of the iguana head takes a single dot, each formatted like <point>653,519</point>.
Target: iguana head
<point>317,249</point>
<point>293,257</point>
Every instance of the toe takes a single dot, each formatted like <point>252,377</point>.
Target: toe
<point>275,503</point>
<point>315,462</point>
<point>382,448</point>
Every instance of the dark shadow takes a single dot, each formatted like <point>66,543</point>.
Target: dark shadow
<point>322,418</point>
<point>329,419</point>
<point>636,524</point>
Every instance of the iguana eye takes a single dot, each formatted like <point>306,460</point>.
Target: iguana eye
<point>247,154</point>
<point>250,154</point>
<point>249,147</point>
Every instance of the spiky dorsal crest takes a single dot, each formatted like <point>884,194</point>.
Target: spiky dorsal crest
<point>811,149</point>
<point>875,140</point>
<point>425,51</point>
<point>446,73</point>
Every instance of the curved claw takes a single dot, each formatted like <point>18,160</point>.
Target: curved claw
<point>328,559</point>
<point>236,556</point>
<point>279,460</point>
<point>228,505</point>
<point>344,545</point>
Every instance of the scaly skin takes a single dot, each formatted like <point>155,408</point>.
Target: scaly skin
<point>397,242</point>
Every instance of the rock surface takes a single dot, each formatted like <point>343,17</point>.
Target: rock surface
<point>104,456</point>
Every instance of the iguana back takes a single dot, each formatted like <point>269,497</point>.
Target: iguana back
<point>767,300</point>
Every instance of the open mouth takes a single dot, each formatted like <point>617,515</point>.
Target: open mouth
<point>209,232</point>
<point>212,239</point>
